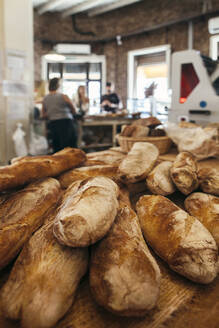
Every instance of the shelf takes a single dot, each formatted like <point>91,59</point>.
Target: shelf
<point>97,145</point>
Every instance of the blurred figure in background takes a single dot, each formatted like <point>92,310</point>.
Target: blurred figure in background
<point>81,101</point>
<point>110,102</point>
<point>59,110</point>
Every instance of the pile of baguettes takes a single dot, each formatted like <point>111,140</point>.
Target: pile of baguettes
<point>54,221</point>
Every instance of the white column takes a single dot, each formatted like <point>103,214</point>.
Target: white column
<point>16,71</point>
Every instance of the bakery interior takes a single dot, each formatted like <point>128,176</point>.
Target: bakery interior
<point>120,226</point>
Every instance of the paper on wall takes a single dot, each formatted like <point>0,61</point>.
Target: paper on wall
<point>11,88</point>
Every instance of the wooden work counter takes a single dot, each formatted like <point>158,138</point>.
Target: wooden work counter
<point>101,122</point>
<point>182,303</point>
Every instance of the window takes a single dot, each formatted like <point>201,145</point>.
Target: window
<point>147,66</point>
<point>84,70</point>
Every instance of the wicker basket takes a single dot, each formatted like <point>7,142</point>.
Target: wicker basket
<point>162,143</point>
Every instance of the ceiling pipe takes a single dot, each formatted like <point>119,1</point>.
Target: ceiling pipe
<point>136,32</point>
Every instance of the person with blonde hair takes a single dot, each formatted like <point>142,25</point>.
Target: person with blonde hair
<point>81,101</point>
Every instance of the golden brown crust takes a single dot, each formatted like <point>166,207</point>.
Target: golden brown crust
<point>138,163</point>
<point>159,180</point>
<point>205,208</point>
<point>81,173</point>
<point>209,180</point>
<point>87,212</point>
<point>23,213</point>
<point>109,157</point>
<point>149,121</point>
<point>184,173</point>
<point>43,281</point>
<point>124,277</point>
<point>180,239</point>
<point>28,169</point>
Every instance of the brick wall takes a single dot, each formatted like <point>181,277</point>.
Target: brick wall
<point>142,15</point>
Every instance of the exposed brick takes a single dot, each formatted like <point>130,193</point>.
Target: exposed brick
<point>144,14</point>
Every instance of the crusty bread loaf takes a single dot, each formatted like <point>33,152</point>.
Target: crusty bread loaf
<point>149,121</point>
<point>28,169</point>
<point>107,157</point>
<point>124,277</point>
<point>43,281</point>
<point>81,173</point>
<point>23,213</point>
<point>139,162</point>
<point>180,239</point>
<point>184,173</point>
<point>205,208</point>
<point>209,180</point>
<point>159,180</point>
<point>87,212</point>
<point>136,131</point>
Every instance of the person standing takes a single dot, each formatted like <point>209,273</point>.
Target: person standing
<point>81,101</point>
<point>110,102</point>
<point>59,110</point>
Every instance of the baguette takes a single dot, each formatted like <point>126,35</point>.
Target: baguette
<point>23,213</point>
<point>184,173</point>
<point>178,238</point>
<point>43,281</point>
<point>209,180</point>
<point>206,209</point>
<point>124,277</point>
<point>138,163</point>
<point>159,180</point>
<point>28,169</point>
<point>87,212</point>
<point>82,173</point>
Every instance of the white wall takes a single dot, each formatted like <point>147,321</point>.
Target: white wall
<point>16,44</point>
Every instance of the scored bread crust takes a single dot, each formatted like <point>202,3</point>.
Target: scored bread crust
<point>205,208</point>
<point>124,277</point>
<point>28,169</point>
<point>84,172</point>
<point>209,180</point>
<point>23,213</point>
<point>184,172</point>
<point>87,212</point>
<point>42,284</point>
<point>159,180</point>
<point>180,239</point>
<point>138,163</point>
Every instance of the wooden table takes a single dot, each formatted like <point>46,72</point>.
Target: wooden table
<point>114,123</point>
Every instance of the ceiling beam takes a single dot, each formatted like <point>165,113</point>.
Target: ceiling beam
<point>50,5</point>
<point>84,6</point>
<point>112,6</point>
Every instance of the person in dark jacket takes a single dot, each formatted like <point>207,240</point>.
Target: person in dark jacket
<point>59,110</point>
<point>110,101</point>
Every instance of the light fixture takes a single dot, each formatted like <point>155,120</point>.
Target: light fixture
<point>54,56</point>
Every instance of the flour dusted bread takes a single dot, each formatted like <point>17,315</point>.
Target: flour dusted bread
<point>209,180</point>
<point>109,157</point>
<point>87,212</point>
<point>24,212</point>
<point>159,180</point>
<point>43,281</point>
<point>205,207</point>
<point>81,173</point>
<point>28,169</point>
<point>184,173</point>
<point>139,162</point>
<point>136,131</point>
<point>180,239</point>
<point>124,277</point>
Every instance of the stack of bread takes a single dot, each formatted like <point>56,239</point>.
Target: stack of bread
<point>54,208</point>
<point>143,127</point>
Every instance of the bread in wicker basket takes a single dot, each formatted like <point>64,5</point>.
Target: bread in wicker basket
<point>163,143</point>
